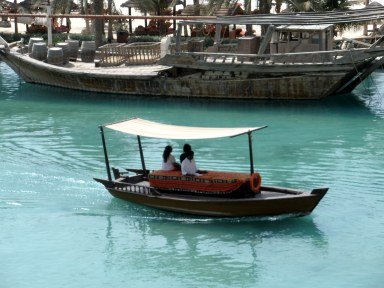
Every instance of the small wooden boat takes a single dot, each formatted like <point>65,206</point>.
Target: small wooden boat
<point>216,194</point>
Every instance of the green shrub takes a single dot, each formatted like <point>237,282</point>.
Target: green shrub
<point>144,38</point>
<point>11,37</point>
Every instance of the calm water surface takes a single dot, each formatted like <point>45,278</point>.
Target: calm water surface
<point>59,228</point>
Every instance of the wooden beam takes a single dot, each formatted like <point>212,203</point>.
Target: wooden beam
<point>250,152</point>
<point>142,156</point>
<point>266,40</point>
<point>357,42</point>
<point>105,153</point>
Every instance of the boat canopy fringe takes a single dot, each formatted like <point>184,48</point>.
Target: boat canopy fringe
<point>145,128</point>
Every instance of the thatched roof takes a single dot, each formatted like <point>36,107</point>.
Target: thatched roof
<point>129,4</point>
<point>229,11</point>
<point>9,6</point>
<point>374,4</point>
<point>189,10</point>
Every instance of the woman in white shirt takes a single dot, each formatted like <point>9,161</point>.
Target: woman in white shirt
<point>188,166</point>
<point>169,161</point>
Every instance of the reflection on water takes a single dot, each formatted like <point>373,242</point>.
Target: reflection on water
<point>371,93</point>
<point>199,247</point>
<point>9,81</point>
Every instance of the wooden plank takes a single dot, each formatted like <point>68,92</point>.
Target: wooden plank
<point>266,40</point>
<point>357,42</point>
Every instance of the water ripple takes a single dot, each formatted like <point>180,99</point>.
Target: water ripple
<point>370,92</point>
<point>9,81</point>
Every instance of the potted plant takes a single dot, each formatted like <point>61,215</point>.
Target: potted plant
<point>121,31</point>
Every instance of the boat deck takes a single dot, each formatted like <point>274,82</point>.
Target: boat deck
<point>134,70</point>
<point>139,71</point>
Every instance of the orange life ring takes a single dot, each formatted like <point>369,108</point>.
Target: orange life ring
<point>255,182</point>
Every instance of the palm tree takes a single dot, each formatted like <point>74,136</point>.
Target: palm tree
<point>98,6</point>
<point>98,9</point>
<point>196,5</point>
<point>57,6</point>
<point>248,10</point>
<point>110,7</point>
<point>214,5</point>
<point>320,6</point>
<point>265,6</point>
<point>316,5</point>
<point>156,7</point>
<point>84,11</point>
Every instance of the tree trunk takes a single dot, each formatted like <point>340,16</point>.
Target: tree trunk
<point>248,10</point>
<point>185,26</point>
<point>86,7</point>
<point>196,6</point>
<point>196,12</point>
<point>264,8</point>
<point>68,11</point>
<point>16,26</point>
<point>99,23</point>
<point>110,35</point>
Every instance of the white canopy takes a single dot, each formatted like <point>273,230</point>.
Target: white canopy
<point>141,127</point>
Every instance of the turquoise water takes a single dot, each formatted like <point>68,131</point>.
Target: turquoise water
<point>59,228</point>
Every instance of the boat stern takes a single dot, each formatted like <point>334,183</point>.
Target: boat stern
<point>319,193</point>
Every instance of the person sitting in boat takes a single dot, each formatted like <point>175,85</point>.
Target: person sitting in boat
<point>186,149</point>
<point>188,166</point>
<point>169,161</point>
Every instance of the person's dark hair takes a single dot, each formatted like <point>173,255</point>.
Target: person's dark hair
<point>187,148</point>
<point>167,152</point>
<point>190,153</point>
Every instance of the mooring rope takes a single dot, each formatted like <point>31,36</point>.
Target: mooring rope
<point>365,85</point>
<point>357,71</point>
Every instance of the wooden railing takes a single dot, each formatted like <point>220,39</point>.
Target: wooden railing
<point>183,47</point>
<point>141,53</point>
<point>336,56</point>
<point>111,55</point>
<point>134,188</point>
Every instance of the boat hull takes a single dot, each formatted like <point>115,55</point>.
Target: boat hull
<point>300,85</point>
<point>267,203</point>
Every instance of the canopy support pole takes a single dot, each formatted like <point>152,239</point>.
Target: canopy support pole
<point>142,156</point>
<point>105,153</point>
<point>250,151</point>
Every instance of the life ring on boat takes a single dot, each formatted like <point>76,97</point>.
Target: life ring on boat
<point>255,182</point>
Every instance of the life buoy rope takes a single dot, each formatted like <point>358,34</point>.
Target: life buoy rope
<point>255,182</point>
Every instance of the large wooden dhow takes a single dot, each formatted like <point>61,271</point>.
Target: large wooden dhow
<point>215,193</point>
<point>295,59</point>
